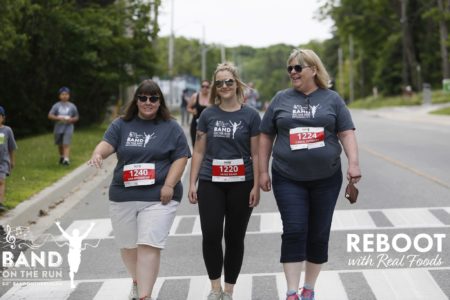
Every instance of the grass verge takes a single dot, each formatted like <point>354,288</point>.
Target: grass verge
<point>37,162</point>
<point>438,96</point>
<point>443,111</point>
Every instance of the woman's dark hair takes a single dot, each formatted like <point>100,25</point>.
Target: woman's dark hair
<point>147,87</point>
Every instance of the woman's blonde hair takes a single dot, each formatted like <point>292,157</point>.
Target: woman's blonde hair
<point>214,98</point>
<point>307,57</point>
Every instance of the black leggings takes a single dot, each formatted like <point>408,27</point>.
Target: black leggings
<point>216,202</point>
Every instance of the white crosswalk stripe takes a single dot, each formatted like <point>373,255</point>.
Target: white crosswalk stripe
<point>271,222</point>
<point>411,284</point>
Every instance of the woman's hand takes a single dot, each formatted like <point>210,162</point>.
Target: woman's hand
<point>96,161</point>
<point>264,182</point>
<point>193,194</point>
<point>166,194</point>
<point>353,173</point>
<point>254,197</point>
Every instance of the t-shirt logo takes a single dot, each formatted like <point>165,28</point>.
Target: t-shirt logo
<point>226,129</point>
<point>63,111</point>
<point>135,139</point>
<point>2,138</point>
<point>304,112</point>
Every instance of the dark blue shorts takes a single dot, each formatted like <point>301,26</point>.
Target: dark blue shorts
<point>306,209</point>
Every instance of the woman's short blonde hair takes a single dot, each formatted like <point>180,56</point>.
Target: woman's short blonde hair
<point>307,57</point>
<point>214,98</point>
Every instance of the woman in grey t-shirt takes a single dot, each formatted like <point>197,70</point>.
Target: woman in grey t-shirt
<point>152,152</point>
<point>225,162</point>
<point>309,122</point>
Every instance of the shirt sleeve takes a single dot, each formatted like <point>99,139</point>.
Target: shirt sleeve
<point>74,111</point>
<point>268,123</point>
<point>202,123</point>
<point>182,146</point>
<point>54,109</point>
<point>255,124</point>
<point>343,118</point>
<point>112,134</point>
<point>11,141</point>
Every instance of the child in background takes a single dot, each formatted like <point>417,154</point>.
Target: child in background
<point>65,114</point>
<point>7,160</point>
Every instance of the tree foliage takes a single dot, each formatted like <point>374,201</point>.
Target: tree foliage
<point>92,47</point>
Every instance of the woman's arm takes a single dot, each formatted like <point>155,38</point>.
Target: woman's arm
<point>190,107</point>
<point>101,152</point>
<point>348,141</point>
<point>254,194</point>
<point>197,158</point>
<point>173,177</point>
<point>265,149</point>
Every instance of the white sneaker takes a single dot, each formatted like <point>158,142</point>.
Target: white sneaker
<point>226,296</point>
<point>133,293</point>
<point>215,295</point>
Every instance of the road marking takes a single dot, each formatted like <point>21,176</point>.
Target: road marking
<point>405,166</point>
<point>356,219</point>
<point>411,283</point>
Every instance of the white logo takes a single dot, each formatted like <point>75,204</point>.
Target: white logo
<point>20,267</point>
<point>135,139</point>
<point>226,129</point>
<point>304,112</point>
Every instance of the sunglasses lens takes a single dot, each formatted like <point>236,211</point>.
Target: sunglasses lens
<point>229,82</point>
<point>152,99</point>
<point>205,86</point>
<point>297,68</point>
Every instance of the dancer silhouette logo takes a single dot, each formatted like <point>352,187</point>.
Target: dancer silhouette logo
<point>24,263</point>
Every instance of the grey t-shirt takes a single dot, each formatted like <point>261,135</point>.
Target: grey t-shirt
<point>65,109</point>
<point>7,144</point>
<point>292,109</point>
<point>228,137</point>
<point>145,141</point>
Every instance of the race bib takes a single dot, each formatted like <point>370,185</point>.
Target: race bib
<point>228,170</point>
<point>139,174</point>
<point>306,138</point>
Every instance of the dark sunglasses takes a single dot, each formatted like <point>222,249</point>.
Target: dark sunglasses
<point>153,99</point>
<point>219,83</point>
<point>297,68</point>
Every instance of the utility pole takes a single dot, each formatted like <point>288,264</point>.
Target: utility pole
<point>404,22</point>
<point>351,86</point>
<point>222,53</point>
<point>203,53</point>
<point>443,32</point>
<point>171,52</point>
<point>340,71</point>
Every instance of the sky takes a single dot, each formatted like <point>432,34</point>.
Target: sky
<point>256,23</point>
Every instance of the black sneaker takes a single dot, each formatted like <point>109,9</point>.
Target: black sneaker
<point>61,160</point>
<point>3,208</point>
<point>66,162</point>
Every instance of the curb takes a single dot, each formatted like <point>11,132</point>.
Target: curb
<point>28,212</point>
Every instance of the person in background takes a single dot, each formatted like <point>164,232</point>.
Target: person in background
<point>251,96</point>
<point>7,158</point>
<point>225,161</point>
<point>199,101</point>
<point>308,123</point>
<point>152,152</point>
<point>64,113</point>
<point>183,107</point>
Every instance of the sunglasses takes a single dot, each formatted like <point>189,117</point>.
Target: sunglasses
<point>297,68</point>
<point>227,82</point>
<point>205,86</point>
<point>153,99</point>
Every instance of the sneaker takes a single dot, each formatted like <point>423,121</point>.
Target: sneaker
<point>215,295</point>
<point>66,162</point>
<point>61,160</point>
<point>133,293</point>
<point>307,294</point>
<point>292,297</point>
<point>226,296</point>
<point>3,208</point>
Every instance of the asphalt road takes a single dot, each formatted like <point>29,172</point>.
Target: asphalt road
<point>393,244</point>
